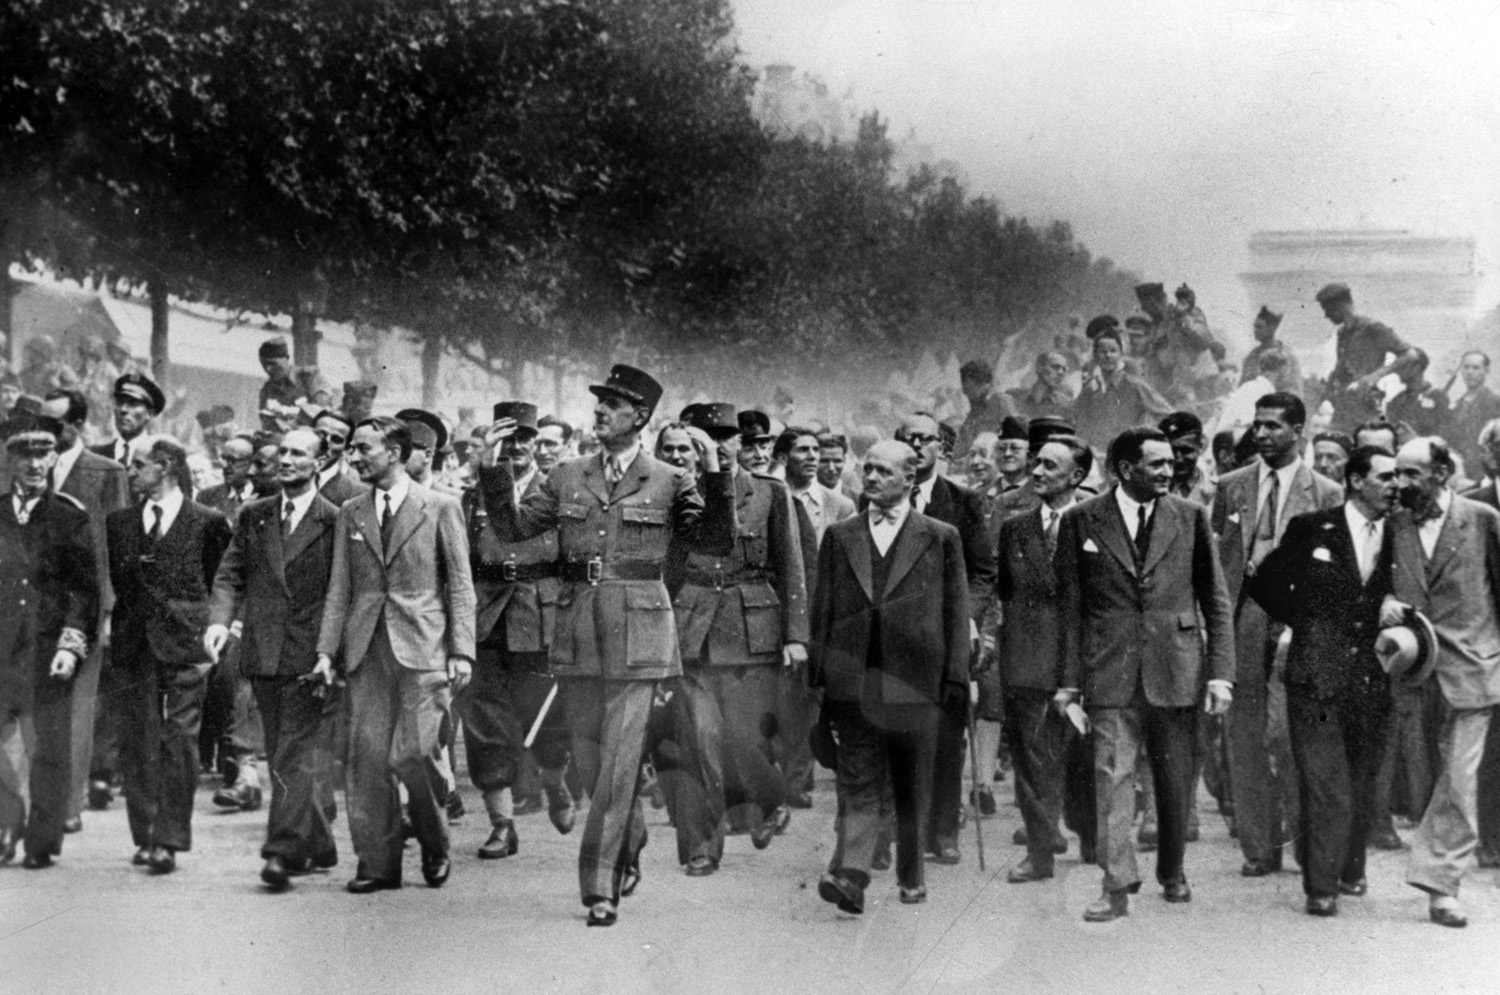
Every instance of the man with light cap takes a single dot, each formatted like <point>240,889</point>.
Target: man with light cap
<point>1360,360</point>
<point>616,512</point>
<point>49,613</point>
<point>137,400</point>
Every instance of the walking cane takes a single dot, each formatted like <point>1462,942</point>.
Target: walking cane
<point>541,717</point>
<point>974,794</point>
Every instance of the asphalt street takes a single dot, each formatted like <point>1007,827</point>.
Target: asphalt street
<point>94,924</point>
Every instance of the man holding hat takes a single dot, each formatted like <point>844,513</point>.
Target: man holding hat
<point>1447,566</point>
<point>615,512</point>
<point>1326,581</point>
<point>516,585</point>
<point>1360,360</point>
<point>49,613</point>
<point>741,616</point>
<point>137,400</point>
<point>280,386</point>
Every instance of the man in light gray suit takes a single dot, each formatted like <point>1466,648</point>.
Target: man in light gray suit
<point>1250,514</point>
<point>1447,566</point>
<point>400,607</point>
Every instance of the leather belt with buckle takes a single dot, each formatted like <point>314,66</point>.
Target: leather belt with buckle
<point>596,570</point>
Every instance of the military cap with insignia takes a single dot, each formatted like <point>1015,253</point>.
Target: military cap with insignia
<point>717,420</point>
<point>140,389</point>
<point>754,424</point>
<point>521,412</point>
<point>31,433</point>
<point>1044,428</point>
<point>427,429</point>
<point>636,386</point>
<point>1180,424</point>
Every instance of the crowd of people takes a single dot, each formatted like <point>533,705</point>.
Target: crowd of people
<point>1286,591</point>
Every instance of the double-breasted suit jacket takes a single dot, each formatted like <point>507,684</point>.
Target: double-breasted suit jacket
<point>614,617</point>
<point>1031,624</point>
<point>515,582</point>
<point>1124,626</point>
<point>1458,589</point>
<point>276,585</point>
<point>162,593</point>
<point>419,584</point>
<point>741,607</point>
<point>100,486</point>
<point>923,642</point>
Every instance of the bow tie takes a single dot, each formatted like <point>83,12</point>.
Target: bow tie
<point>885,514</point>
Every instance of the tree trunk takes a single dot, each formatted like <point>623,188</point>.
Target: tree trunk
<point>432,360</point>
<point>305,337</point>
<point>161,370</point>
<point>8,290</point>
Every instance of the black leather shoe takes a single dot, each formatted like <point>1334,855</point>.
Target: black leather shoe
<point>985,800</point>
<point>1259,868</point>
<point>603,913</point>
<point>1147,838</point>
<point>162,860</point>
<point>99,795</point>
<point>1448,915</point>
<point>762,834</point>
<point>1060,845</point>
<point>799,800</point>
<point>37,861</point>
<point>1177,891</point>
<point>1358,889</point>
<point>456,810</point>
<point>142,857</point>
<point>562,811</point>
<point>503,842</point>
<point>913,896</point>
<point>7,846</point>
<point>73,824</point>
<point>435,869</point>
<point>848,896</point>
<point>700,867</point>
<point>1019,837</point>
<point>1087,852</point>
<point>1025,872</point>
<point>1193,834</point>
<point>631,879</point>
<point>1322,905</point>
<point>366,886</point>
<point>241,796</point>
<point>944,853</point>
<point>882,860</point>
<point>275,873</point>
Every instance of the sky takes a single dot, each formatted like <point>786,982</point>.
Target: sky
<point>1167,131</point>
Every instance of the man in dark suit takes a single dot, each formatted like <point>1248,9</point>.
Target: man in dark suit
<point>236,490</point>
<point>890,647</point>
<point>137,400</point>
<point>163,554</point>
<point>99,485</point>
<point>1137,567</point>
<point>400,609</point>
<point>1250,512</point>
<point>616,512</point>
<point>517,587</point>
<point>1041,742</point>
<point>940,499</point>
<point>1326,581</point>
<point>49,611</point>
<point>273,579</point>
<point>1447,566</point>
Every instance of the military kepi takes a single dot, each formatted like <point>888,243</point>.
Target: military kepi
<point>522,413</point>
<point>30,433</point>
<point>636,386</point>
<point>427,429</point>
<point>718,420</point>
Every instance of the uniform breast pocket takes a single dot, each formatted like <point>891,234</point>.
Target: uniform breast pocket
<point>762,618</point>
<point>643,532</point>
<point>753,547</point>
<point>572,521</point>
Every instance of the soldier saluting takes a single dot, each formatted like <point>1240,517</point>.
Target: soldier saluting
<point>615,512</point>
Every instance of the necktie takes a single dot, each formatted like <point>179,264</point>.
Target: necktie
<point>286,518</point>
<point>387,520</point>
<point>23,510</point>
<point>1368,566</point>
<point>917,502</point>
<point>155,534</point>
<point>1142,532</point>
<point>1050,533</point>
<point>1265,526</point>
<point>613,471</point>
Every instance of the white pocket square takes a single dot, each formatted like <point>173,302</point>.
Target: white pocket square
<point>356,535</point>
<point>1322,555</point>
<point>1235,518</point>
<point>1089,546</point>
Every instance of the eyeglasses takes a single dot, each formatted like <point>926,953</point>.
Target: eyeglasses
<point>918,441</point>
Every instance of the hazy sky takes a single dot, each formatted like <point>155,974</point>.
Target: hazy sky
<point>1167,131</point>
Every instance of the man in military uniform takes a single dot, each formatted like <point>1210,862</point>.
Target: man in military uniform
<point>137,400</point>
<point>1184,430</point>
<point>616,512</point>
<point>49,609</point>
<point>1264,329</point>
<point>516,585</point>
<point>1360,362</point>
<point>740,616</point>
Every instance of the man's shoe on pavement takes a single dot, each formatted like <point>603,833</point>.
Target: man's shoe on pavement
<point>7,846</point>
<point>561,810</point>
<point>800,799</point>
<point>848,896</point>
<point>142,856</point>
<point>1259,868</point>
<point>99,795</point>
<point>762,833</point>
<point>1386,839</point>
<point>1087,852</point>
<point>603,913</point>
<point>435,868</point>
<point>1019,837</point>
<point>913,896</point>
<point>1177,891</point>
<point>1192,835</point>
<point>783,818</point>
<point>1111,905</point>
<point>241,795</point>
<point>37,861</point>
<point>944,853</point>
<point>631,879</point>
<point>503,842</point>
<point>367,886</point>
<point>162,860</point>
<point>456,808</point>
<point>275,873</point>
<point>1024,873</point>
<point>882,859</point>
<point>1445,911</point>
<point>73,824</point>
<point>984,799</point>
<point>1322,905</point>
<point>700,867</point>
<point>1358,889</point>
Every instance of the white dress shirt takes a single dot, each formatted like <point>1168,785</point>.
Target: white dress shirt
<point>524,482</point>
<point>923,498</point>
<point>882,531</point>
<point>1368,536</point>
<point>1284,477</point>
<point>813,502</point>
<point>1429,530</point>
<point>170,506</point>
<point>300,504</point>
<point>1129,508</point>
<point>397,494</point>
<point>65,463</point>
<point>620,462</point>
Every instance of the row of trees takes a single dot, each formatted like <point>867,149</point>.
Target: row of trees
<point>511,179</point>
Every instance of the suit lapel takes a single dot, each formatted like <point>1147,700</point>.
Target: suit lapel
<point>941,507</point>
<point>408,517</point>
<point>1246,501</point>
<point>1453,535</point>
<point>1166,526</point>
<point>367,518</point>
<point>744,490</point>
<point>861,548</point>
<point>1409,557</point>
<point>312,525</point>
<point>270,522</point>
<point>1034,549</point>
<point>1301,500</point>
<point>1109,526</point>
<point>911,542</point>
<point>636,474</point>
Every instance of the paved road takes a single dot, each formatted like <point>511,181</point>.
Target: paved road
<point>94,924</point>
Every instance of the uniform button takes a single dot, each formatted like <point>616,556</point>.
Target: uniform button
<point>601,532</point>
<point>606,507</point>
<point>24,581</point>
